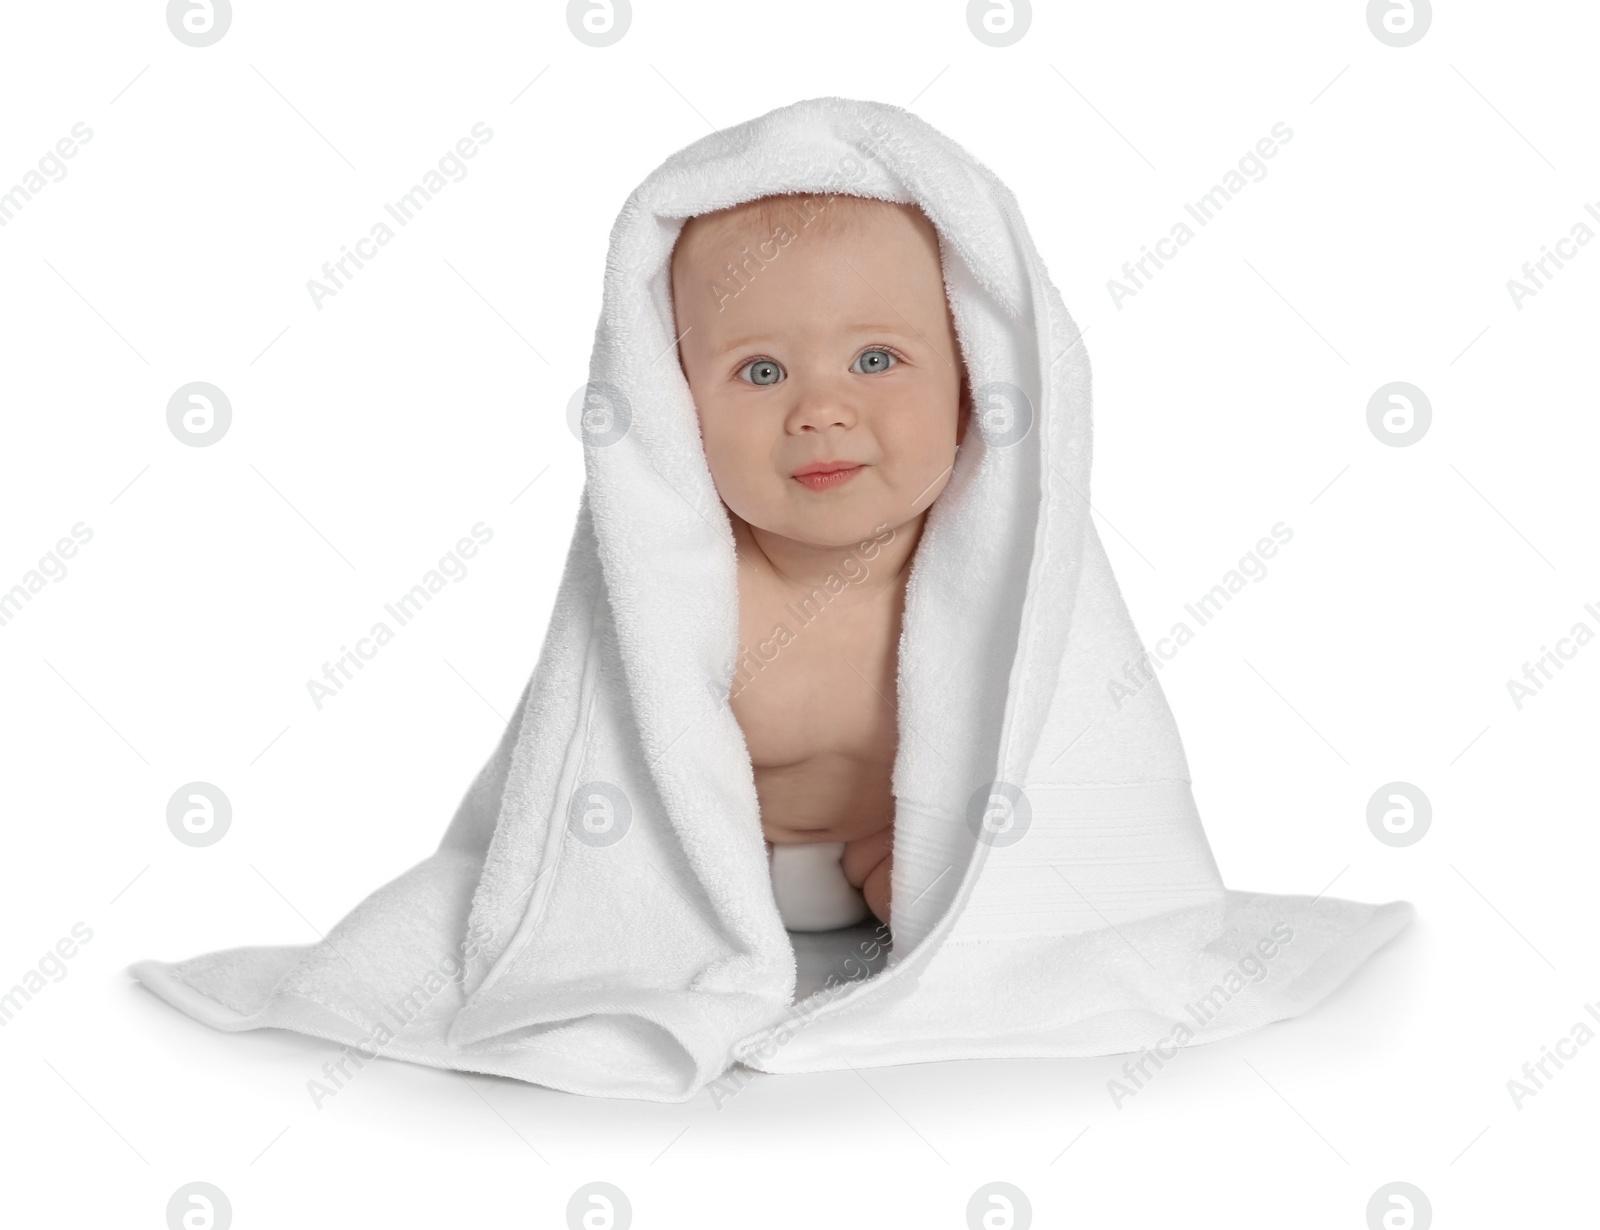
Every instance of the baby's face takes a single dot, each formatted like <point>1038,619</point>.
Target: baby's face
<point>840,348</point>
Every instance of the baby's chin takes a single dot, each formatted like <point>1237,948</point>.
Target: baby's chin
<point>836,528</point>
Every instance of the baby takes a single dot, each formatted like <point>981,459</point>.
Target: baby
<point>816,338</point>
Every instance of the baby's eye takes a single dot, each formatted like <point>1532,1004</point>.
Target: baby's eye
<point>872,361</point>
<point>763,371</point>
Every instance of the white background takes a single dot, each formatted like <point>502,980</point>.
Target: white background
<point>430,394</point>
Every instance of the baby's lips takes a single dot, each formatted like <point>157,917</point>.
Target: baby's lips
<point>824,467</point>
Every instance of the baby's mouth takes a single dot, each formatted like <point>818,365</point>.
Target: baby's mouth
<point>828,476</point>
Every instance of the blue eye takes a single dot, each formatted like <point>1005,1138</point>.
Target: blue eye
<point>763,371</point>
<point>875,360</point>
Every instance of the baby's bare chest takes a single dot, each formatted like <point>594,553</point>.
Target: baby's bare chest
<point>814,691</point>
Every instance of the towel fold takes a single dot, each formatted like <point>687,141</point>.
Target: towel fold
<point>599,915</point>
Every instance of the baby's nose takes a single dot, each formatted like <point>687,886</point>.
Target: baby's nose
<point>820,405</point>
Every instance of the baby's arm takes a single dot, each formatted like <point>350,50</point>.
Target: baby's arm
<point>867,863</point>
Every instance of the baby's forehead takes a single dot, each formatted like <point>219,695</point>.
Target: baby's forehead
<point>823,219</point>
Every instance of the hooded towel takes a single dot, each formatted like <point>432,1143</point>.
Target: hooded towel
<point>599,916</point>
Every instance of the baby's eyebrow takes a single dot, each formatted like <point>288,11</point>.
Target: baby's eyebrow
<point>878,329</point>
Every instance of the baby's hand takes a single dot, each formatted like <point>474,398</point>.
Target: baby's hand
<point>867,863</point>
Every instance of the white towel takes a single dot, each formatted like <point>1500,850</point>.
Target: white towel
<point>599,915</point>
